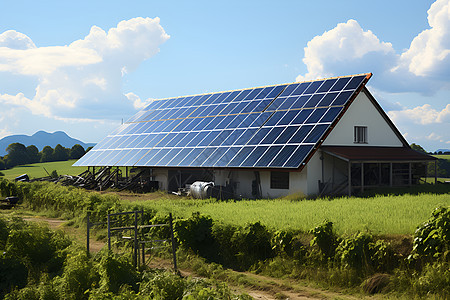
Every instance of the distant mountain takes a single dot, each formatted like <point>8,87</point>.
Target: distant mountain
<point>41,139</point>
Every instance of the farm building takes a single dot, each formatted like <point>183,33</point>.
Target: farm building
<point>327,136</point>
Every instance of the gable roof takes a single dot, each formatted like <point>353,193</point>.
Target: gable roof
<point>277,126</point>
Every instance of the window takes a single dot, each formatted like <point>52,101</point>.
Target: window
<point>360,135</point>
<point>279,180</point>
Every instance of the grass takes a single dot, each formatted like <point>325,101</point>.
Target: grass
<point>37,170</point>
<point>381,215</point>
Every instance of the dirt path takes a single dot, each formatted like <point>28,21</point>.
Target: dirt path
<point>265,288</point>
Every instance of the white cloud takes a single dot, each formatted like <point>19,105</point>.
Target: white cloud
<point>423,115</point>
<point>84,79</point>
<point>16,40</point>
<point>429,53</point>
<point>349,49</point>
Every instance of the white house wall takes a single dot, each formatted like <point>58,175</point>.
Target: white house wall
<point>162,176</point>
<point>363,113</point>
<point>242,179</point>
<point>314,168</point>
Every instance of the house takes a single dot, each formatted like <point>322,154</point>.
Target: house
<point>327,136</point>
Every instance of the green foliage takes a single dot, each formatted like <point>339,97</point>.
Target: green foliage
<point>17,155</point>
<point>163,286</point>
<point>60,153</point>
<point>418,148</point>
<point>2,165</point>
<point>54,174</point>
<point>325,239</point>
<point>47,154</point>
<point>79,275</point>
<point>76,152</point>
<point>253,244</point>
<point>33,154</point>
<point>37,247</point>
<point>432,238</point>
<point>195,232</point>
<point>115,270</point>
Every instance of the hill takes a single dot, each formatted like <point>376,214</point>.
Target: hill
<point>41,139</point>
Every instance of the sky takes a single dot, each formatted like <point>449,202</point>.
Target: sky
<point>84,67</point>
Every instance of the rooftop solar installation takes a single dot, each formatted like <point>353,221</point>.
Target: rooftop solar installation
<point>265,127</point>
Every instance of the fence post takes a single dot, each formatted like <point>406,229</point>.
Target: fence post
<point>87,232</point>
<point>109,233</point>
<point>174,246</point>
<point>135,239</point>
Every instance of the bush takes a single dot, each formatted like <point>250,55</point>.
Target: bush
<point>325,239</point>
<point>195,233</point>
<point>115,270</point>
<point>163,286</point>
<point>432,238</point>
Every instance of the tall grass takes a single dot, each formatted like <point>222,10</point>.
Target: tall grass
<point>383,215</point>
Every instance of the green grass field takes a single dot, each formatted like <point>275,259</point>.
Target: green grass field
<point>381,215</point>
<point>37,170</point>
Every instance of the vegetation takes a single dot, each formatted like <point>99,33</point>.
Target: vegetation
<point>37,263</point>
<point>349,258</point>
<point>18,154</point>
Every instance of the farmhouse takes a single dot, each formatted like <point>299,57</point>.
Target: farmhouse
<point>327,136</point>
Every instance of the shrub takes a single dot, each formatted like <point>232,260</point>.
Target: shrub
<point>115,270</point>
<point>432,238</point>
<point>325,239</point>
<point>253,244</point>
<point>163,286</point>
<point>195,233</point>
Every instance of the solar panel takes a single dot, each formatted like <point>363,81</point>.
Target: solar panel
<point>265,127</point>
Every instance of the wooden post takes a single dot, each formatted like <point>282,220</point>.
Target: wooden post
<point>109,233</point>
<point>87,232</point>
<point>174,246</point>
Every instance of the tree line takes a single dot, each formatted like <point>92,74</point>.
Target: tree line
<point>19,154</point>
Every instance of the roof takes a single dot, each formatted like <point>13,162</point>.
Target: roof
<point>277,126</point>
<point>376,154</point>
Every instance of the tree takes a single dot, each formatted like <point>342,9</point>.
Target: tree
<point>2,164</point>
<point>33,154</point>
<point>77,151</point>
<point>60,153</point>
<point>417,148</point>
<point>89,149</point>
<point>47,154</point>
<point>17,155</point>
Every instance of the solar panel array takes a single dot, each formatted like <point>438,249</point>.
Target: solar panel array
<point>265,127</point>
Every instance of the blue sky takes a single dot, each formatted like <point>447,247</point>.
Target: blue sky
<point>83,66</point>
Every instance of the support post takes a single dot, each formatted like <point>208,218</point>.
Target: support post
<point>135,258</point>
<point>349,179</point>
<point>390,175</point>
<point>174,246</point>
<point>435,171</point>
<point>409,174</point>
<point>109,233</point>
<point>362,177</point>
<point>88,227</point>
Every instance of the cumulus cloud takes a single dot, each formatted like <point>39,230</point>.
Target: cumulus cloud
<point>82,80</point>
<point>349,49</point>
<point>423,115</point>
